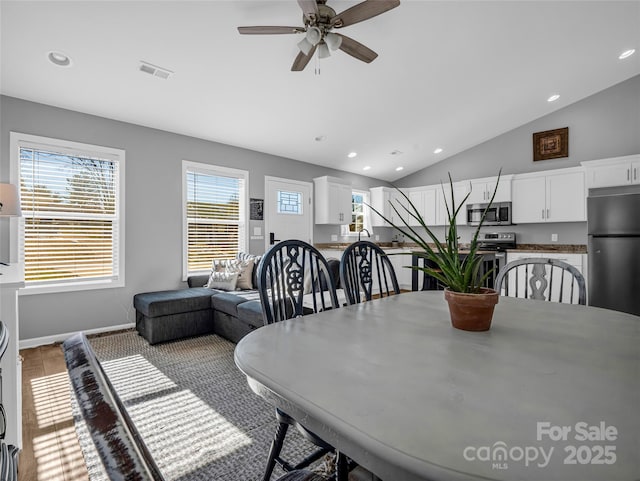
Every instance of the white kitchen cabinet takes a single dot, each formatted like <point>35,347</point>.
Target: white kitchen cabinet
<point>460,190</point>
<point>551,196</point>
<point>332,200</point>
<point>424,199</point>
<point>381,199</point>
<point>576,260</point>
<point>612,172</point>
<point>482,189</point>
<point>400,258</point>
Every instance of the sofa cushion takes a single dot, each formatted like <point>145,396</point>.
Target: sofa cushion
<point>227,302</point>
<point>164,303</point>
<point>251,313</point>
<point>198,281</point>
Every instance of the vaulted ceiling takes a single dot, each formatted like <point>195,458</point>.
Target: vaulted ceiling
<point>449,75</point>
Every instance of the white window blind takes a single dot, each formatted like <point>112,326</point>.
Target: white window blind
<point>70,229</point>
<point>215,215</point>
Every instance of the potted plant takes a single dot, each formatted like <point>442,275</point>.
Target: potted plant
<point>470,304</point>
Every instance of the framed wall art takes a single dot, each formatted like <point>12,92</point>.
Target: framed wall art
<point>551,144</point>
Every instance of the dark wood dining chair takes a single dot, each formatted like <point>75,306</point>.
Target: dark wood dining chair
<point>365,271</point>
<point>294,279</point>
<point>543,279</point>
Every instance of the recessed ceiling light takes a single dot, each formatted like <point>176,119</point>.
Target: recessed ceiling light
<point>59,59</point>
<point>437,151</point>
<point>366,167</point>
<point>352,154</point>
<point>399,168</point>
<point>553,98</point>
<point>627,53</point>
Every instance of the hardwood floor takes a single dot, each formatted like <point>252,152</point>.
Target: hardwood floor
<point>50,449</point>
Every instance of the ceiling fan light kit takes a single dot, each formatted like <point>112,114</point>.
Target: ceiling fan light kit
<point>314,35</point>
<point>323,50</point>
<point>319,20</point>
<point>305,46</point>
<point>333,40</point>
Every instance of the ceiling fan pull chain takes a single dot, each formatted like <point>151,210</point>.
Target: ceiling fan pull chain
<point>317,69</point>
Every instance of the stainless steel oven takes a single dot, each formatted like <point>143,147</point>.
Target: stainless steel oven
<point>499,213</point>
<point>498,242</point>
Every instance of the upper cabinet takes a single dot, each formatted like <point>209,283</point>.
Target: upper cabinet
<point>460,190</point>
<point>482,190</point>
<point>424,200</point>
<point>381,200</point>
<point>612,172</point>
<point>551,196</point>
<point>332,200</point>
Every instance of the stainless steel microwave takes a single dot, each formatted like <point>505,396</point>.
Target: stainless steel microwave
<point>498,214</point>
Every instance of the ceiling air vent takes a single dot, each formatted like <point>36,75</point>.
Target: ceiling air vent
<point>154,70</point>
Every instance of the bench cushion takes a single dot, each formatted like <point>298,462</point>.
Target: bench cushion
<point>164,303</point>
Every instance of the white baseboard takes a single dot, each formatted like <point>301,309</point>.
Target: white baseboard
<point>42,341</point>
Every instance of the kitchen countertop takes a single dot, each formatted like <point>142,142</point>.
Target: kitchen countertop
<point>559,248</point>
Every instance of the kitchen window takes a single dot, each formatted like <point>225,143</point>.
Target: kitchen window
<point>71,233</point>
<point>214,215</point>
<point>360,214</point>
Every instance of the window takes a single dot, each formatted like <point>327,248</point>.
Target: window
<point>71,230</point>
<point>214,211</point>
<point>289,202</point>
<point>360,217</point>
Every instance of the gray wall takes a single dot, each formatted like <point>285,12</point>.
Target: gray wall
<point>603,125</point>
<point>153,208</point>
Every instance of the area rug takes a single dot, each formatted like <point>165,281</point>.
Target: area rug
<point>192,407</point>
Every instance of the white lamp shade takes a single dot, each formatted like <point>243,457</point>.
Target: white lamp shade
<point>305,46</point>
<point>323,50</point>
<point>333,41</point>
<point>9,200</point>
<point>314,35</point>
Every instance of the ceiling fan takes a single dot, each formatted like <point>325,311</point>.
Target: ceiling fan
<point>319,22</point>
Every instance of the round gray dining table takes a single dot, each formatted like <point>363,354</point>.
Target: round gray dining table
<point>550,393</point>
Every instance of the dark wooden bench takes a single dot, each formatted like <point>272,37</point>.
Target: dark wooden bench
<point>120,447</point>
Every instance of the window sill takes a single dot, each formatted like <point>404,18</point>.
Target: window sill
<point>70,287</point>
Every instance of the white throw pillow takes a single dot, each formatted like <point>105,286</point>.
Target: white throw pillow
<point>223,280</point>
<point>243,268</point>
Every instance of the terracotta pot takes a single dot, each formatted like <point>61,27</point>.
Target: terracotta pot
<point>471,312</point>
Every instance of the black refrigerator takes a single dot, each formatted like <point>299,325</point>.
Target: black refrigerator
<point>614,251</point>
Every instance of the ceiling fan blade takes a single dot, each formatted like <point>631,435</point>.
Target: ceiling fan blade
<point>362,11</point>
<point>302,60</point>
<point>309,8</point>
<point>357,50</point>
<point>268,30</point>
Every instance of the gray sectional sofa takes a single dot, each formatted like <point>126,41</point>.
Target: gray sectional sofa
<point>169,315</point>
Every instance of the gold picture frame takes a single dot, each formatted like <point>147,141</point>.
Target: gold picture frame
<point>551,144</point>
